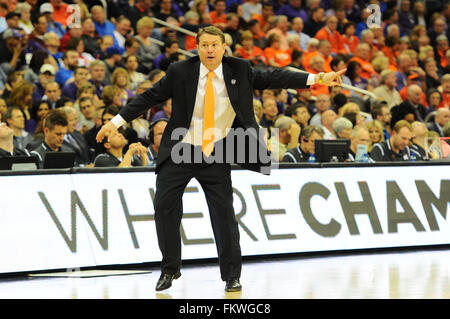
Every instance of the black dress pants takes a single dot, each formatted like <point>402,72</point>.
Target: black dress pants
<point>215,180</point>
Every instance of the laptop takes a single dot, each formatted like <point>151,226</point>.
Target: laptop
<point>5,163</point>
<point>25,163</point>
<point>59,160</point>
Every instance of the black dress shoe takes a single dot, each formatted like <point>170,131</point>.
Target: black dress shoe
<point>233,285</point>
<point>165,281</point>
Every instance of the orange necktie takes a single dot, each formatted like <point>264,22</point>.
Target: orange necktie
<point>208,117</point>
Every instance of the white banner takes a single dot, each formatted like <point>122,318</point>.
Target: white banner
<point>90,219</point>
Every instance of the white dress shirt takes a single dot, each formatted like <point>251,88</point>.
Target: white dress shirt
<point>223,111</point>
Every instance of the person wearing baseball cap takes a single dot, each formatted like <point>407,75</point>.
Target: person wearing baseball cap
<point>53,26</point>
<point>12,50</point>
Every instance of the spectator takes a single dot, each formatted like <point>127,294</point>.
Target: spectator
<point>358,136</point>
<point>441,118</point>
<point>114,157</point>
<point>315,22</point>
<point>434,99</point>
<point>323,103</point>
<point>342,128</point>
<point>102,25</point>
<point>46,75</point>
<point>274,54</point>
<point>286,138</point>
<point>24,9</point>
<point>165,113</point>
<point>112,95</point>
<point>170,46</point>
<point>36,37</point>
<point>329,32</point>
<point>91,38</point>
<point>12,51</point>
<point>302,152</point>
<point>438,28</point>
<point>87,110</point>
<point>251,8</point>
<point>74,139</point>
<point>297,28</point>
<point>405,17</point>
<point>55,128</point>
<point>61,11</point>
<point>350,40</point>
<point>432,78</point>
<point>148,50</point>
<point>362,56</point>
<point>121,79</point>
<point>136,78</point>
<point>396,147</point>
<point>40,111</point>
<point>415,98</point>
<point>419,145</point>
<point>281,27</point>
<point>156,130</point>
<point>441,50</point>
<point>140,9</point>
<point>270,112</point>
<point>327,119</point>
<point>387,90</point>
<point>218,15</point>
<point>232,28</point>
<point>7,147</point>
<point>123,29</point>
<point>299,112</point>
<point>52,94</point>
<point>52,26</point>
<point>52,43</point>
<point>22,97</point>
<point>15,119</point>
<point>81,76</point>
<point>376,133</point>
<point>65,72</point>
<point>293,9</point>
<point>297,59</point>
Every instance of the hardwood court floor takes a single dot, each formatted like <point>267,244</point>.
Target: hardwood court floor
<point>418,274</point>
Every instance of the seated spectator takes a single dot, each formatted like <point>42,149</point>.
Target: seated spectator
<point>46,75</point>
<point>441,118</point>
<point>12,51</point>
<point>81,76</point>
<point>65,72</point>
<point>299,112</point>
<point>445,84</point>
<point>36,37</point>
<point>112,95</point>
<point>114,155</point>
<point>53,26</point>
<point>419,145</point>
<point>87,110</point>
<point>297,28</point>
<point>329,32</point>
<point>350,40</point>
<point>323,104</point>
<point>293,9</point>
<point>359,136</point>
<point>266,17</point>
<point>22,97</point>
<point>170,46</point>
<point>148,50</point>
<point>362,56</point>
<point>387,90</point>
<point>74,139</point>
<point>354,73</point>
<point>315,22</point>
<point>61,12</point>
<point>274,54</point>
<point>52,95</point>
<point>306,147</point>
<point>249,51</point>
<point>156,130</point>
<point>404,63</point>
<point>40,111</point>
<point>91,38</point>
<point>165,113</point>
<point>326,120</point>
<point>102,25</point>
<point>270,113</point>
<point>342,128</point>
<point>123,29</point>
<point>121,79</point>
<point>136,78</point>
<point>287,137</point>
<point>218,15</point>
<point>7,146</point>
<point>55,128</point>
<point>415,100</point>
<point>376,133</point>
<point>433,77</point>
<point>396,147</point>
<point>280,28</point>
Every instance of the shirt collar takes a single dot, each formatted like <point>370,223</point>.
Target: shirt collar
<point>204,71</point>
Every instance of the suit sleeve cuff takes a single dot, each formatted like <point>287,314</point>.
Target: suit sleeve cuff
<point>118,120</point>
<point>311,79</point>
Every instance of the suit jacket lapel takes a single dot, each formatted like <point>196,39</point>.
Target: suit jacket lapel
<point>191,83</point>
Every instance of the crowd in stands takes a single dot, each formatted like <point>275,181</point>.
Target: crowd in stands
<point>67,67</point>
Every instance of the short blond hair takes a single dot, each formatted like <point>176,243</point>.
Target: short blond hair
<point>144,22</point>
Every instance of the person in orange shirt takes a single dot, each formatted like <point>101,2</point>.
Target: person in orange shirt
<point>441,49</point>
<point>313,45</point>
<point>351,41</point>
<point>362,56</point>
<point>61,13</point>
<point>218,16</point>
<point>412,78</point>
<point>266,17</point>
<point>317,66</point>
<point>329,32</point>
<point>247,50</point>
<point>275,55</point>
<point>323,50</point>
<point>390,50</point>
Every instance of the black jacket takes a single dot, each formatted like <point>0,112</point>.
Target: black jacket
<point>180,84</point>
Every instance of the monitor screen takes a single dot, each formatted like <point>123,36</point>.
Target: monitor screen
<point>332,150</point>
<point>5,163</point>
<point>24,163</point>
<point>59,160</point>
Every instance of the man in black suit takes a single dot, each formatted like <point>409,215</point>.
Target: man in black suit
<point>187,83</point>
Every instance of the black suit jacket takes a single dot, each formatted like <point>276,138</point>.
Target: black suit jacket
<point>180,84</point>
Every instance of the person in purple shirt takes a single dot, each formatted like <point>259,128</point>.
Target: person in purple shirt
<point>81,75</point>
<point>293,9</point>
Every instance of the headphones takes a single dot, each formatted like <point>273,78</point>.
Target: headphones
<point>151,134</point>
